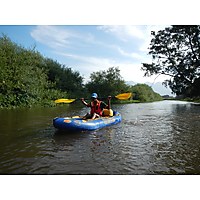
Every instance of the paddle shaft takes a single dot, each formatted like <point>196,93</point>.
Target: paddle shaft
<point>123,96</point>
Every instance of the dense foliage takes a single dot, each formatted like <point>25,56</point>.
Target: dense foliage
<point>64,78</point>
<point>176,52</point>
<point>26,77</point>
<point>107,82</point>
<point>144,93</point>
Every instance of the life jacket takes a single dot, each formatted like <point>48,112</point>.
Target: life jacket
<point>96,108</point>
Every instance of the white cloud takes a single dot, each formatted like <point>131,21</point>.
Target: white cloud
<point>93,63</point>
<point>129,71</point>
<point>134,55</point>
<point>133,72</point>
<point>141,33</point>
<point>60,38</point>
<point>124,32</point>
<point>52,36</point>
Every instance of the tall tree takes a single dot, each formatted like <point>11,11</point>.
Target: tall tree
<point>176,52</point>
<point>71,81</point>
<point>107,82</point>
<point>64,78</point>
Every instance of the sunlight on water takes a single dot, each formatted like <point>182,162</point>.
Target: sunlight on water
<point>153,138</point>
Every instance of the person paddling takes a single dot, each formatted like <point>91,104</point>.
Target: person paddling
<point>97,107</point>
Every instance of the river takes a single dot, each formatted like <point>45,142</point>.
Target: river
<point>153,138</point>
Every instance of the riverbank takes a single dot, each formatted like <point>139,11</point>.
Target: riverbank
<point>195,100</point>
<point>52,104</point>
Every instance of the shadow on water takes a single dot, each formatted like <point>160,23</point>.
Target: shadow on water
<point>61,136</point>
<point>69,137</point>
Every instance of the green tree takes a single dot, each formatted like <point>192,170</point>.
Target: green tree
<point>27,78</point>
<point>107,82</point>
<point>21,79</point>
<point>176,52</point>
<point>64,78</point>
<point>144,93</point>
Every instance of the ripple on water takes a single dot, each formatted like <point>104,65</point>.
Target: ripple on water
<point>153,138</point>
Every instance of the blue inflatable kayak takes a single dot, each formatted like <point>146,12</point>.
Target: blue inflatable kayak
<point>78,124</point>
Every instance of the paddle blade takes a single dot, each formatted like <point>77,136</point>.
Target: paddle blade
<point>64,100</point>
<point>124,96</point>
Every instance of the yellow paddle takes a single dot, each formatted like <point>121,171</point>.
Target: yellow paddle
<point>64,100</point>
<point>123,96</point>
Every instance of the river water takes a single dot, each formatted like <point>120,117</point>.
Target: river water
<point>153,138</point>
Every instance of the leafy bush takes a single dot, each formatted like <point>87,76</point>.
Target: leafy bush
<point>26,77</point>
<point>144,93</point>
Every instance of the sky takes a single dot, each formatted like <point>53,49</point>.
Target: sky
<point>90,48</point>
<point>93,35</point>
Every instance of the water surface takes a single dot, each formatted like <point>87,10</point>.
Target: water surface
<point>153,138</point>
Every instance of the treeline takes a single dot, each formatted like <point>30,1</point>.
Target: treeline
<point>27,78</point>
<point>107,82</point>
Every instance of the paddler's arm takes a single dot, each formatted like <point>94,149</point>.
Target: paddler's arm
<point>84,102</point>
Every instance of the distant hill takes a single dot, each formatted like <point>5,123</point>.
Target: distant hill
<point>157,87</point>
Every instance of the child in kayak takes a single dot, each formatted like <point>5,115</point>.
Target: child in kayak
<point>97,107</point>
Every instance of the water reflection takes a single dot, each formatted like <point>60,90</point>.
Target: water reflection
<point>153,138</point>
<point>186,137</point>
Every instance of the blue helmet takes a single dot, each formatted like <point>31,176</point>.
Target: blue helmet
<point>94,95</point>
